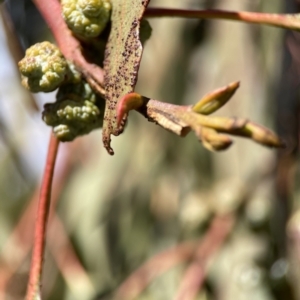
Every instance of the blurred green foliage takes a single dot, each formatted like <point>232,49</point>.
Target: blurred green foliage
<point>114,213</point>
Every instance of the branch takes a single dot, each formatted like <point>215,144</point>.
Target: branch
<point>64,254</point>
<point>195,274</point>
<point>162,262</point>
<point>35,276</point>
<point>156,266</point>
<point>18,245</point>
<point>182,119</point>
<point>288,21</point>
<point>68,44</point>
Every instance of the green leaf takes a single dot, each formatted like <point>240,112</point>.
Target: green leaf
<point>122,60</point>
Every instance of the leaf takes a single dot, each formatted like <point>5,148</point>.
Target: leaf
<point>122,60</point>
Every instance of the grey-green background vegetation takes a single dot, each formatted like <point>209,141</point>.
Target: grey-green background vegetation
<point>160,190</point>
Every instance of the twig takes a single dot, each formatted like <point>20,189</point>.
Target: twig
<point>68,262</point>
<point>196,272</point>
<point>287,21</point>
<point>5,275</point>
<point>22,235</point>
<point>33,289</point>
<point>156,266</point>
<point>60,245</point>
<point>68,44</point>
<point>164,261</point>
<point>182,119</point>
<point>20,241</point>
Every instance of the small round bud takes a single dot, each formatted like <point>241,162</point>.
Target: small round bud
<point>87,18</point>
<point>74,113</point>
<point>43,68</point>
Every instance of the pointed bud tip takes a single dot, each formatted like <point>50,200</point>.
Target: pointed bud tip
<point>216,99</point>
<point>281,144</point>
<point>235,84</point>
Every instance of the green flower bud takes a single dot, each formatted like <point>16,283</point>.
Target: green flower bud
<point>74,113</point>
<point>86,18</point>
<point>43,68</point>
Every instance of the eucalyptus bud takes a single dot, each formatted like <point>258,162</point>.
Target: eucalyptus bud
<point>86,18</point>
<point>74,113</point>
<point>43,68</point>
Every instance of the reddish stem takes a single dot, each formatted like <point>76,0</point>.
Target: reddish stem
<point>33,289</point>
<point>67,260</point>
<point>22,236</point>
<point>195,274</point>
<point>68,44</point>
<point>278,20</point>
<point>133,286</point>
<point>157,265</point>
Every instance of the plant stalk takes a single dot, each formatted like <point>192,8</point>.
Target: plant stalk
<point>288,21</point>
<point>35,276</point>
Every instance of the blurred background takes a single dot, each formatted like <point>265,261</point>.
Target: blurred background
<point>227,222</point>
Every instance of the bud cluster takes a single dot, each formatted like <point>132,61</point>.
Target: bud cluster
<point>86,18</point>
<point>43,68</point>
<point>74,113</point>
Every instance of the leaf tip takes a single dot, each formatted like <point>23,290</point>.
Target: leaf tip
<point>106,142</point>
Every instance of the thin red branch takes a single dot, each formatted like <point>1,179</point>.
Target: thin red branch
<point>68,262</point>
<point>195,274</point>
<point>278,20</point>
<point>68,44</point>
<point>21,239</point>
<point>33,290</point>
<point>162,262</point>
<point>60,246</point>
<point>156,266</point>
